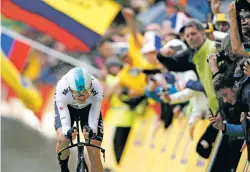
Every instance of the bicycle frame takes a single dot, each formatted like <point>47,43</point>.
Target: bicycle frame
<point>81,164</point>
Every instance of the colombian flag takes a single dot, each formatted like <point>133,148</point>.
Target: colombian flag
<point>16,51</point>
<point>79,24</point>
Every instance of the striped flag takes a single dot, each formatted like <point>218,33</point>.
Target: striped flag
<point>79,24</point>
<point>16,51</point>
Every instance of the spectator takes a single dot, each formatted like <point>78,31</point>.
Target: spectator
<point>236,43</point>
<point>194,59</point>
<point>221,22</point>
<point>225,87</point>
<point>177,18</point>
<point>151,46</point>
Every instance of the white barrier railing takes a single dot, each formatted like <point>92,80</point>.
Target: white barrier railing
<point>38,46</point>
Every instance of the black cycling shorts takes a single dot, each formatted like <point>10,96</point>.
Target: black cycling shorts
<point>84,118</point>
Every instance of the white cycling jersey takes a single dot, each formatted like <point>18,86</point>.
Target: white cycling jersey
<point>64,97</point>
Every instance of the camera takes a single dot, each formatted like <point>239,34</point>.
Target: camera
<point>163,90</point>
<point>153,79</point>
<point>242,63</point>
<point>124,91</point>
<point>242,4</point>
<point>134,72</point>
<point>224,62</point>
<point>221,56</point>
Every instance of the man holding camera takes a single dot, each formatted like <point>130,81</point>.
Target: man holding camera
<point>195,58</point>
<point>237,94</point>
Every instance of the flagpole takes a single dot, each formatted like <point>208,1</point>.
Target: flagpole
<point>61,56</point>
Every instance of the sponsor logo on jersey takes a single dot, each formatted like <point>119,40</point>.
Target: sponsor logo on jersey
<point>94,92</point>
<point>100,126</point>
<point>65,91</point>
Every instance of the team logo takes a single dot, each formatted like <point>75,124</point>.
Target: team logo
<point>61,108</point>
<point>100,126</point>
<point>65,91</point>
<point>94,92</point>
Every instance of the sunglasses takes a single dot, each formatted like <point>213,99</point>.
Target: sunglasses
<point>80,93</point>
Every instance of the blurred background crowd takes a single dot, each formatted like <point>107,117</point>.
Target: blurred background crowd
<point>160,62</point>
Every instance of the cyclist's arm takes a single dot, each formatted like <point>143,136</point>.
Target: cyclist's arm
<point>63,98</point>
<point>94,115</point>
<point>96,104</point>
<point>64,117</point>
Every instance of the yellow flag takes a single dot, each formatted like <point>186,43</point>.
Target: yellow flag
<point>94,14</point>
<point>29,96</point>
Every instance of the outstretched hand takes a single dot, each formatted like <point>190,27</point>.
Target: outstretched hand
<point>232,10</point>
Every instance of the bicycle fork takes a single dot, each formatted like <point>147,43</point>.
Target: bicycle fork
<point>81,161</point>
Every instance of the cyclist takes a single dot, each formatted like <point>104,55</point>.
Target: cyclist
<point>78,94</point>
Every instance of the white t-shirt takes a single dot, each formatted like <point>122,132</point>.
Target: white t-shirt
<point>64,97</point>
<point>198,99</point>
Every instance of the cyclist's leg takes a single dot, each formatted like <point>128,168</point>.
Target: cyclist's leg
<point>62,142</point>
<point>94,154</point>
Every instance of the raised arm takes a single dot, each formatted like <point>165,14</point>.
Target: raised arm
<point>129,17</point>
<point>236,43</point>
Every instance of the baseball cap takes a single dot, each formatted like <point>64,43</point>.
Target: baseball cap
<point>221,17</point>
<point>209,27</point>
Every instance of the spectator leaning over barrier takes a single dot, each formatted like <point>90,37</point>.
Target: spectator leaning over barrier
<point>195,58</point>
<point>232,92</point>
<point>197,98</point>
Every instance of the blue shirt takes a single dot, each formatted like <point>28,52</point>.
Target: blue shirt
<point>234,130</point>
<point>154,94</point>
